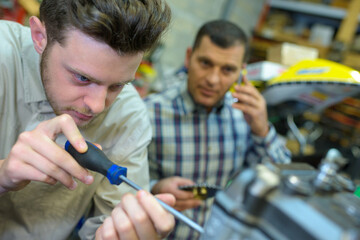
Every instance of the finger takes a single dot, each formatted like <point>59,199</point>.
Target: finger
<point>247,100</point>
<point>163,221</point>
<point>183,181</point>
<point>246,80</point>
<point>66,125</point>
<point>63,160</point>
<point>167,198</point>
<point>98,233</point>
<point>139,217</point>
<point>183,205</point>
<point>246,95</point>
<point>246,109</point>
<point>183,195</point>
<point>123,224</point>
<point>16,175</point>
<point>38,168</point>
<point>171,185</point>
<point>44,170</point>
<point>249,90</point>
<point>107,231</point>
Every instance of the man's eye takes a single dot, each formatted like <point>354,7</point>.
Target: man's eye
<point>228,70</point>
<point>205,63</point>
<point>81,78</point>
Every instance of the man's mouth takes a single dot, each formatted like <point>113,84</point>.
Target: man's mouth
<point>82,116</point>
<point>206,92</point>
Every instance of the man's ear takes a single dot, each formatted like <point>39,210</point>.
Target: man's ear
<point>38,34</point>
<point>187,57</point>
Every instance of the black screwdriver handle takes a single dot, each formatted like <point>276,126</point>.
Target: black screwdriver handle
<point>94,159</point>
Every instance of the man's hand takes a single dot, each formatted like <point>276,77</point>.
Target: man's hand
<point>36,157</point>
<point>138,217</point>
<point>184,199</point>
<point>253,105</point>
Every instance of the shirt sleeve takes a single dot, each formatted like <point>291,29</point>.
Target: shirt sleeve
<point>90,226</point>
<point>270,148</point>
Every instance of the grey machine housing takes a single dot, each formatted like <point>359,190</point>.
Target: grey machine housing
<point>287,201</point>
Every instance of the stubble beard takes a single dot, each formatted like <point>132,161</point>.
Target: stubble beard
<point>45,78</point>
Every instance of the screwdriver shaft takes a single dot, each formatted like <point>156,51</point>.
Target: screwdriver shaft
<point>171,210</point>
<point>95,160</point>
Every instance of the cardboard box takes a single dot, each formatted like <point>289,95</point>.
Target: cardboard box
<point>264,70</point>
<point>289,54</point>
<point>321,35</point>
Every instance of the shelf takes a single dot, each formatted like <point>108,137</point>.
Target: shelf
<point>278,37</point>
<point>310,8</point>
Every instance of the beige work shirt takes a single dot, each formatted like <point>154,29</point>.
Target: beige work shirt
<point>41,211</point>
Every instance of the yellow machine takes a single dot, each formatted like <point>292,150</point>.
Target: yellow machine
<point>313,83</point>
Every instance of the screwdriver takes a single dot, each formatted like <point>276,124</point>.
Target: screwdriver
<point>94,159</point>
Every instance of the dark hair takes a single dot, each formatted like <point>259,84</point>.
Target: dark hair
<point>127,26</point>
<point>224,34</point>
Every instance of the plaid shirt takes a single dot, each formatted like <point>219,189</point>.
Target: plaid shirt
<point>205,147</point>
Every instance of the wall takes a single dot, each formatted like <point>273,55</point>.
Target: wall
<point>188,16</point>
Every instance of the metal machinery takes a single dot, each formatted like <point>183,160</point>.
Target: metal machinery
<point>287,201</point>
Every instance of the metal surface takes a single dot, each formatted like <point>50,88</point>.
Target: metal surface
<point>286,202</point>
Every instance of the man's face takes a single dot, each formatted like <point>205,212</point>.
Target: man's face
<point>83,77</point>
<point>212,70</point>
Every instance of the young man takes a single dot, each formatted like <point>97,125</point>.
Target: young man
<point>200,135</point>
<point>59,80</point>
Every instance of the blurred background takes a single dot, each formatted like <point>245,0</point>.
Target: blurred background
<point>322,112</point>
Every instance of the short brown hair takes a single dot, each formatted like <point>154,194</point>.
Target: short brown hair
<point>224,34</point>
<point>127,26</point>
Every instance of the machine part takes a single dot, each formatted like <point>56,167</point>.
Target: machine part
<point>288,205</point>
<point>326,180</point>
<point>295,185</point>
<point>201,191</point>
<point>295,130</point>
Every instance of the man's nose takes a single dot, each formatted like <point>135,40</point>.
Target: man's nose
<point>96,99</point>
<point>213,76</point>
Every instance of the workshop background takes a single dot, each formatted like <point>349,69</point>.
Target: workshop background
<point>283,34</point>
